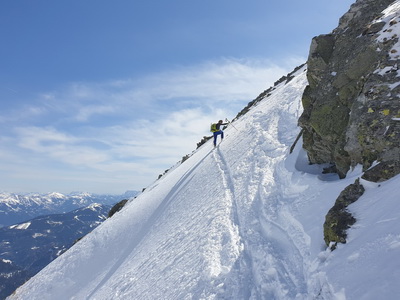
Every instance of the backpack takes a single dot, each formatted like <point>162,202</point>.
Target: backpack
<point>213,127</point>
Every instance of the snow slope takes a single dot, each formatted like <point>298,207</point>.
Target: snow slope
<point>241,221</point>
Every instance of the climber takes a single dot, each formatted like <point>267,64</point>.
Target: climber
<point>216,130</point>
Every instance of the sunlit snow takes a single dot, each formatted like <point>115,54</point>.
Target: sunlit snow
<point>241,221</point>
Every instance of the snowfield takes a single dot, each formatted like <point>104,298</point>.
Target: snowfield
<point>241,221</point>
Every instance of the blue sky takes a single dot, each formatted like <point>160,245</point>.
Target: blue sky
<point>102,96</point>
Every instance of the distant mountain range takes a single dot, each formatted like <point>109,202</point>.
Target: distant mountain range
<point>16,208</point>
<point>26,248</point>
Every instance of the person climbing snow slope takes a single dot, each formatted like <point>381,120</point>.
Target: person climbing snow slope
<point>216,130</point>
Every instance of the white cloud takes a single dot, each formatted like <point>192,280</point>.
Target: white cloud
<point>58,146</point>
<point>130,129</point>
<point>86,112</point>
<point>226,80</point>
<point>209,84</point>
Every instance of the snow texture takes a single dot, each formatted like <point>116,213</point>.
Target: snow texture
<point>241,221</point>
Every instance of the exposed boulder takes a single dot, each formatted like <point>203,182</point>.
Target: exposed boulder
<point>352,103</point>
<point>338,219</point>
<point>117,207</point>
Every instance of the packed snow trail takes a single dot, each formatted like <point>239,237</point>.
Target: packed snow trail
<point>274,262</point>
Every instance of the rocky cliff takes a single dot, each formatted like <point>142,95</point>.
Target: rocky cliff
<point>352,103</point>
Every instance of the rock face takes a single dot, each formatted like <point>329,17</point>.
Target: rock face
<point>383,171</point>
<point>117,207</point>
<point>352,103</point>
<point>338,219</point>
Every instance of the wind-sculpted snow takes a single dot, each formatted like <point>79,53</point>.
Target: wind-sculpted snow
<point>239,221</point>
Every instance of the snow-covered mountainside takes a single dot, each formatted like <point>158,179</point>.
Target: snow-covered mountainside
<point>243,220</point>
<point>15,208</point>
<point>28,247</point>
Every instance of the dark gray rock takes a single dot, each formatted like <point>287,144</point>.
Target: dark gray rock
<point>351,104</point>
<point>382,171</point>
<point>338,219</point>
<point>117,207</point>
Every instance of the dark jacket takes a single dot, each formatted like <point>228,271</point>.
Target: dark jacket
<point>220,124</point>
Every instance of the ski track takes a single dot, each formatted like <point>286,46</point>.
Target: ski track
<point>276,247</point>
<point>213,249</point>
<point>235,287</point>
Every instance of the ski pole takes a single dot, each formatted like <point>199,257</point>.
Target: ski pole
<point>226,120</point>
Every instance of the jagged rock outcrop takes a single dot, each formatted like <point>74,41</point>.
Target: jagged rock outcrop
<point>338,219</point>
<point>382,171</point>
<point>117,207</point>
<point>352,103</point>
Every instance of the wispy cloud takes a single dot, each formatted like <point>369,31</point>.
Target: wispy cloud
<point>130,129</point>
<point>57,145</point>
<point>226,80</point>
<point>210,84</point>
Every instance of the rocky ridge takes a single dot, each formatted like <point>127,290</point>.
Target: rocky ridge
<point>351,105</point>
